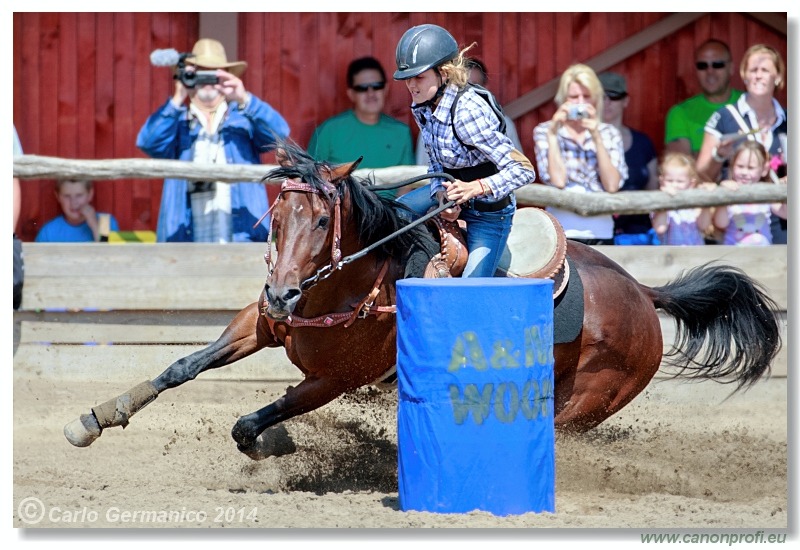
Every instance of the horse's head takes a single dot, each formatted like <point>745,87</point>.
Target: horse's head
<point>306,222</point>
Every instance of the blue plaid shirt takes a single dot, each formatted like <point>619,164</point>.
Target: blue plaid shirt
<point>477,125</point>
<point>580,161</point>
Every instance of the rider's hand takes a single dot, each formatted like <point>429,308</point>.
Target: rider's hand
<point>462,191</point>
<point>449,214</point>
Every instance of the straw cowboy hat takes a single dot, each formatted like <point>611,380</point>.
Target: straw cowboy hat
<point>210,54</point>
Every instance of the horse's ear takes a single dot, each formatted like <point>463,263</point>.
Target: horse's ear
<point>341,171</point>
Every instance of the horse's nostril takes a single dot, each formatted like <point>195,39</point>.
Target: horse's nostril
<point>291,295</point>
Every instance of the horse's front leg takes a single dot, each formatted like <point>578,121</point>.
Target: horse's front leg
<point>245,335</point>
<point>256,434</point>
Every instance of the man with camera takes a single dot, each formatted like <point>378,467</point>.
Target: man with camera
<point>577,152</point>
<point>211,119</point>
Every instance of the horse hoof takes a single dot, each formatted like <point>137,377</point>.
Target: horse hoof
<point>82,431</point>
<point>274,441</point>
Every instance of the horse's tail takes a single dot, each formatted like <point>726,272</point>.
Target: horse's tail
<point>727,325</point>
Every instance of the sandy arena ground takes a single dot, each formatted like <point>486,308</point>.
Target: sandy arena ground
<point>679,456</point>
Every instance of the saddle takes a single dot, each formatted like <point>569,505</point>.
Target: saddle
<point>451,260</point>
<point>536,249</point>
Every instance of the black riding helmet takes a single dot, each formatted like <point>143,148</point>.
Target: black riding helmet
<point>421,48</point>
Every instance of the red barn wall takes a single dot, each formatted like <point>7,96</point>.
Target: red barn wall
<point>83,83</point>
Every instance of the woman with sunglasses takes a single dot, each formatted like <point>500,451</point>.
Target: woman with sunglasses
<point>482,159</point>
<point>757,115</point>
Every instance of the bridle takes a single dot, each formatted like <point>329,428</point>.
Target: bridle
<point>331,192</point>
<point>360,310</point>
<point>366,306</point>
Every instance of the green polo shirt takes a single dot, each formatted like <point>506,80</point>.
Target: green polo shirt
<point>687,119</point>
<point>343,138</point>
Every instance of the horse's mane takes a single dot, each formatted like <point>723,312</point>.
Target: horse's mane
<point>375,216</point>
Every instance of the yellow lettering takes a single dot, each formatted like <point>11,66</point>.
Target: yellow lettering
<point>475,401</point>
<point>530,400</point>
<point>504,356</point>
<point>502,413</point>
<point>538,345</point>
<point>467,352</point>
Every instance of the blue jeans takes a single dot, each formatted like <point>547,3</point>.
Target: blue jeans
<point>487,232</point>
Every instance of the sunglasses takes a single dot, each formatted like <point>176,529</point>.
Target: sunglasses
<point>703,65</point>
<point>360,88</point>
<point>616,96</point>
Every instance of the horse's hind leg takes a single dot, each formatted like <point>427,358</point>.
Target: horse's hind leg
<point>252,432</point>
<point>620,351</point>
<point>598,392</point>
<point>244,336</point>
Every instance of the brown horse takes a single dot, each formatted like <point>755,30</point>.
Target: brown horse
<point>329,300</point>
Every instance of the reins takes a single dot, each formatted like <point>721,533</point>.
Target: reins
<point>366,306</point>
<point>403,183</point>
<point>413,224</point>
<point>337,262</point>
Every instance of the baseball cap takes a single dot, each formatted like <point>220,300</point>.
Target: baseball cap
<point>614,85</point>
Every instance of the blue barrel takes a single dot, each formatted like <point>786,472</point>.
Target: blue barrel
<point>475,381</point>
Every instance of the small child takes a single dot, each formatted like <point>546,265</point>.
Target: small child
<point>747,224</point>
<point>687,226</point>
<point>79,222</point>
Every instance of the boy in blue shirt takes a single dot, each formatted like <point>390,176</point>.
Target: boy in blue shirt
<point>79,222</point>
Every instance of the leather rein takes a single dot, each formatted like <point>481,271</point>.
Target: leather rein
<point>366,306</point>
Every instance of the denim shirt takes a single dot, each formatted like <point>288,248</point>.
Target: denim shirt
<point>170,132</point>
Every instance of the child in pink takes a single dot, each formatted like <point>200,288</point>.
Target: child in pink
<point>686,226</point>
<point>747,224</point>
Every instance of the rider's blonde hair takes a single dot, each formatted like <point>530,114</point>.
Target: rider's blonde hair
<point>456,71</point>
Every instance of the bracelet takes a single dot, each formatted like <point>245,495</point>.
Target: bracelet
<point>716,157</point>
<point>483,187</point>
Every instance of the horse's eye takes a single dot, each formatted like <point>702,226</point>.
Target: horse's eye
<point>323,222</point>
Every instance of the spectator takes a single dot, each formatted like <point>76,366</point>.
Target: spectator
<point>687,226</point>
<point>685,121</point>
<point>757,116</point>
<point>19,263</point>
<point>477,75</point>
<point>364,130</point>
<point>747,224</point>
<point>640,157</point>
<point>222,124</point>
<point>578,153</point>
<point>79,222</point>
<point>486,166</point>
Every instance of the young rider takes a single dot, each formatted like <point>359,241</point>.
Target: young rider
<point>486,166</point>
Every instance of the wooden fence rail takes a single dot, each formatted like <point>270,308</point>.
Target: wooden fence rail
<point>110,312</point>
<point>591,204</point>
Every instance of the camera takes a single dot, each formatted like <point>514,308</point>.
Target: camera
<point>577,112</point>
<point>191,78</point>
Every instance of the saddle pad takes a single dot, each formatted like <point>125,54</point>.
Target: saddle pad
<point>568,309</point>
<point>419,255</point>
